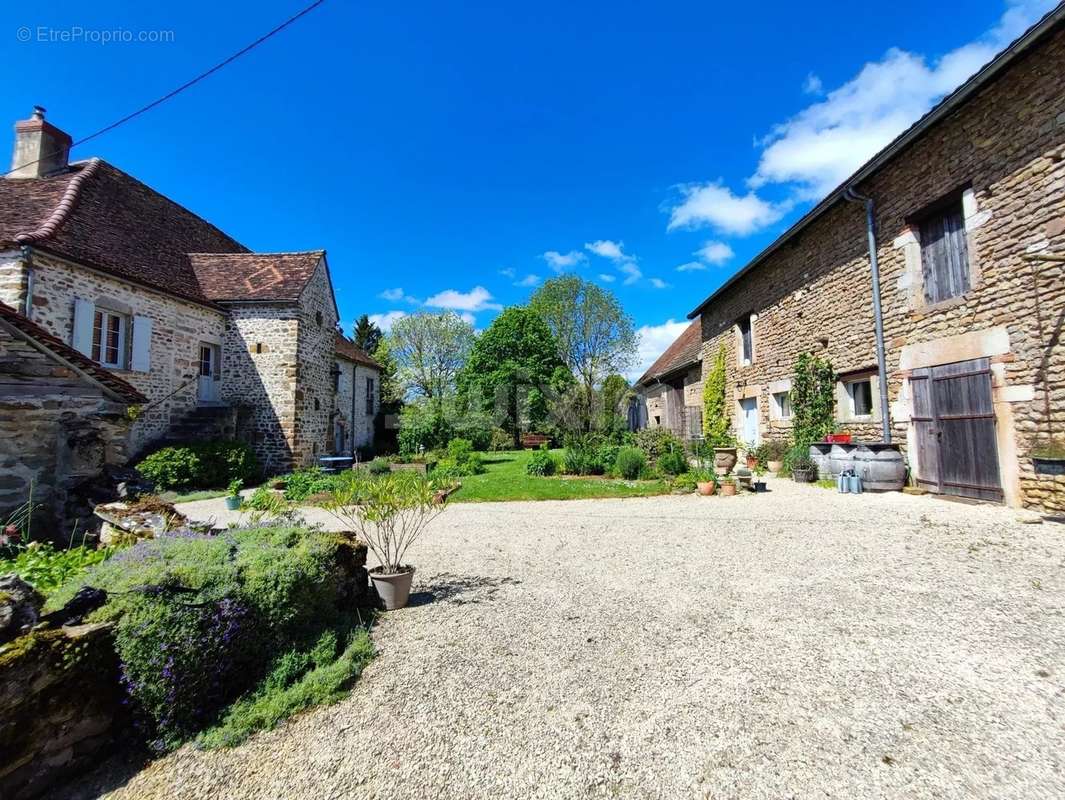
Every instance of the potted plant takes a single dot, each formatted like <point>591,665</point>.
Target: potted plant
<point>389,513</point>
<point>1048,457</point>
<point>705,481</point>
<point>803,470</point>
<point>774,451</point>
<point>728,486</point>
<point>758,484</point>
<point>233,498</point>
<point>839,437</point>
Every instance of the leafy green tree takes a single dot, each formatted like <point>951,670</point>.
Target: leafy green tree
<point>614,395</point>
<point>594,334</point>
<point>715,415</point>
<point>366,334</point>
<point>430,350</point>
<point>388,382</point>
<point>510,365</point>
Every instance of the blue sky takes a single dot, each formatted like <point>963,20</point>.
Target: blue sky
<point>454,155</point>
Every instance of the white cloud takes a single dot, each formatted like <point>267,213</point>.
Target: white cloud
<point>387,320</point>
<point>528,280</point>
<point>812,85</point>
<point>606,278</point>
<point>397,294</point>
<point>477,299</point>
<point>631,271</point>
<point>508,273</point>
<point>714,252</point>
<point>560,262</point>
<point>653,340</point>
<point>812,152</point>
<point>615,251</point>
<point>691,266</point>
<point>818,148</point>
<point>714,205</point>
<point>658,283</point>
<point>467,317</point>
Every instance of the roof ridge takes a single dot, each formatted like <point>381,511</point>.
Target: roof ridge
<point>261,253</point>
<point>63,208</point>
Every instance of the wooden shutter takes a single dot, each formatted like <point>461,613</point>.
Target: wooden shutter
<point>81,336</point>
<point>945,255</point>
<point>140,360</point>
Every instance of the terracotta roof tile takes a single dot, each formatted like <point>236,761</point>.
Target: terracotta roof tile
<point>349,350</point>
<point>685,351</point>
<point>65,352</point>
<point>97,215</point>
<point>254,276</point>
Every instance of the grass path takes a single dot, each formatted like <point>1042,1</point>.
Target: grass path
<point>505,479</point>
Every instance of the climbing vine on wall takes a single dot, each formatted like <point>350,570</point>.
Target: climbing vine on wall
<point>813,399</point>
<point>715,418</point>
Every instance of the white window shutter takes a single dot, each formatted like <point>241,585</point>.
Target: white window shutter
<point>142,344</point>
<point>81,338</point>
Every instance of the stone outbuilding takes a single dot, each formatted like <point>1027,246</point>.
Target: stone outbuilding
<point>966,218</point>
<point>220,340</point>
<point>670,393</point>
<point>64,419</point>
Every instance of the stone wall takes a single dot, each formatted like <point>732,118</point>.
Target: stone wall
<point>60,707</point>
<point>56,431</point>
<point>1007,145</point>
<point>178,328</point>
<point>316,349</point>
<point>656,400</point>
<point>352,385</point>
<point>259,367</point>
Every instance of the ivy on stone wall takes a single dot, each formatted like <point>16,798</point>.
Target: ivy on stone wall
<point>715,417</point>
<point>813,399</point>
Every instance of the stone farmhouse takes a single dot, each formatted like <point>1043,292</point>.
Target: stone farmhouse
<point>966,219</point>
<point>216,340</point>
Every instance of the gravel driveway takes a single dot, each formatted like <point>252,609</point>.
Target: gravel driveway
<point>796,644</point>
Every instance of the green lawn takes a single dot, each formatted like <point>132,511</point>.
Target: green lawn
<point>193,496</point>
<point>505,479</point>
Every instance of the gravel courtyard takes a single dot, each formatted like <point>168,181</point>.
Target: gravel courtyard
<point>795,644</point>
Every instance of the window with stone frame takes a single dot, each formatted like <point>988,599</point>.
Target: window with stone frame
<point>860,397</point>
<point>781,405</point>
<point>109,334</point>
<point>944,250</point>
<point>746,331</point>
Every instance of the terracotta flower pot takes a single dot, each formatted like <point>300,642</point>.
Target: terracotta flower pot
<point>728,489</point>
<point>706,488</point>
<point>775,466</point>
<point>392,587</point>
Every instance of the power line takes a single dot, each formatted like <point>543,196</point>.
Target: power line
<point>188,84</point>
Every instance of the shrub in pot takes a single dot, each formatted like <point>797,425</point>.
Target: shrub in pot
<point>705,481</point>
<point>233,498</point>
<point>803,470</point>
<point>389,514</point>
<point>728,486</point>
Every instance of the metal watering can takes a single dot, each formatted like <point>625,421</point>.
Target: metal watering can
<point>849,482</point>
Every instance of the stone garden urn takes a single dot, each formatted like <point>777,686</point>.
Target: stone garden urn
<point>724,460</point>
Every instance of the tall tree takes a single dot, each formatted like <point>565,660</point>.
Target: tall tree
<point>366,334</point>
<point>595,336</point>
<point>429,350</point>
<point>614,396</point>
<point>510,366</point>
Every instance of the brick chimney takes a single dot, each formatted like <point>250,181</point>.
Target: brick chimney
<point>40,147</point>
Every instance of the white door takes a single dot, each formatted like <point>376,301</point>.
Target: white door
<point>210,373</point>
<point>749,419</point>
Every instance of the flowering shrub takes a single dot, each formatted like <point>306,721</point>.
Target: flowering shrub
<point>200,619</point>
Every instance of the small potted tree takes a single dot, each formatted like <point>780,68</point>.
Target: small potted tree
<point>728,486</point>
<point>758,484</point>
<point>233,497</point>
<point>774,451</point>
<point>389,513</point>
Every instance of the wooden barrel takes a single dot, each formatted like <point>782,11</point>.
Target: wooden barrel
<point>880,466</point>
<point>840,458</point>
<point>819,455</point>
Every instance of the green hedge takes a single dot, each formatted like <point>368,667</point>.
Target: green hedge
<point>200,465</point>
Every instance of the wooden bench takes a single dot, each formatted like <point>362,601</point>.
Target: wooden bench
<point>531,441</point>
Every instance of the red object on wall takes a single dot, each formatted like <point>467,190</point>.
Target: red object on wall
<point>838,438</point>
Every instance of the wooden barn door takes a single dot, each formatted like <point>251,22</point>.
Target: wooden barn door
<point>954,419</point>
